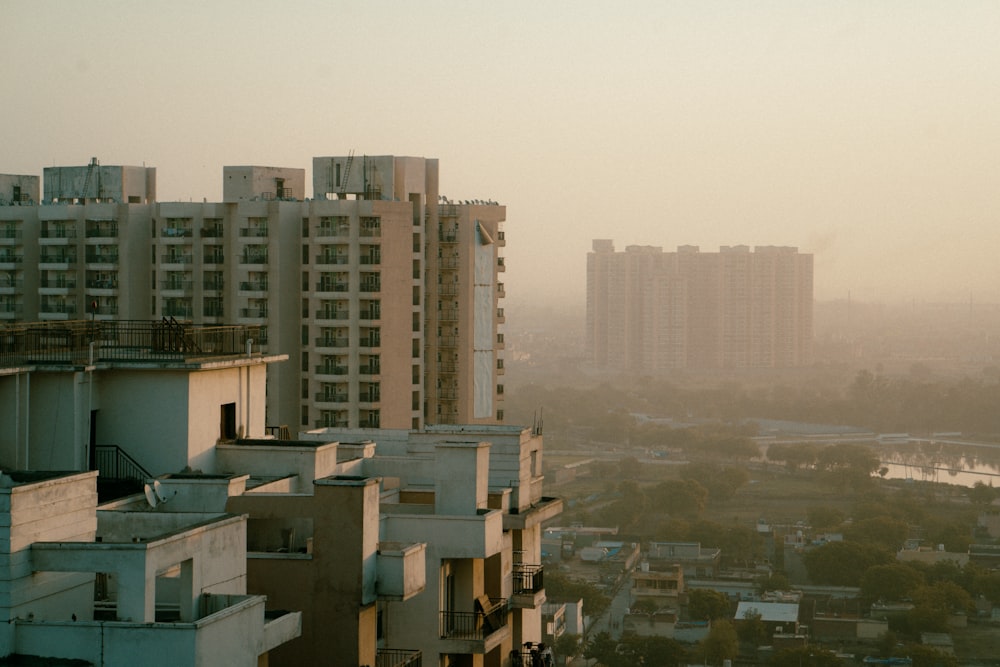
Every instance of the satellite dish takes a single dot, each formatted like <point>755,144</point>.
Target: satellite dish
<point>159,493</point>
<point>150,495</point>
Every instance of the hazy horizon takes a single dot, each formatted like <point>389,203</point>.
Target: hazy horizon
<point>864,133</point>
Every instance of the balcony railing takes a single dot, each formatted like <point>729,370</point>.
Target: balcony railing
<point>102,231</point>
<point>331,286</point>
<point>388,657</point>
<point>212,232</point>
<point>173,259</point>
<point>58,233</point>
<point>258,312</point>
<point>254,286</point>
<point>11,258</point>
<point>121,340</point>
<point>324,397</point>
<point>102,257</point>
<point>176,232</point>
<point>52,258</point>
<point>528,578</point>
<point>331,369</point>
<point>331,259</point>
<point>332,341</point>
<point>477,624</point>
<point>253,232</point>
<point>60,283</point>
<point>331,314</point>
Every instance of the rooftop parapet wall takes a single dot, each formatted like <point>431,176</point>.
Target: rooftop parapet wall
<point>84,342</point>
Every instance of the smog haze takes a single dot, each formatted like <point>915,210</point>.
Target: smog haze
<point>865,133</point>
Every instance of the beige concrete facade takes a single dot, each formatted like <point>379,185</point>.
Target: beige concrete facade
<point>252,182</point>
<point>99,183</point>
<point>115,589</point>
<point>653,311</point>
<point>387,300</point>
<point>19,189</point>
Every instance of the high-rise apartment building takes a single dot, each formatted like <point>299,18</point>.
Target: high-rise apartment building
<point>385,295</point>
<point>650,310</point>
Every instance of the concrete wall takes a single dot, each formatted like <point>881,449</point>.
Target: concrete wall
<point>18,188</point>
<point>253,182</point>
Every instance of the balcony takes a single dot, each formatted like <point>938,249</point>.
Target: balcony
<point>11,233</point>
<point>58,233</point>
<point>330,397</point>
<point>323,231</point>
<point>176,232</point>
<point>331,314</point>
<point>447,367</point>
<point>176,259</point>
<point>529,587</point>
<point>331,369</point>
<point>254,255</point>
<point>401,570</point>
<point>448,290</point>
<point>448,315</point>
<point>332,341</point>
<point>370,369</point>
<point>64,258</point>
<point>370,314</point>
<point>214,258</point>
<point>62,282</point>
<point>478,631</point>
<point>106,257</point>
<point>500,265</point>
<point>448,262</point>
<point>10,258</point>
<point>213,284</point>
<point>331,259</point>
<point>108,230</point>
<point>447,341</point>
<point>58,309</point>
<point>211,232</point>
<point>331,286</point>
<point>254,232</point>
<point>176,285</point>
<point>102,283</point>
<point>400,657</point>
<point>257,312</point>
<point>449,236</point>
<point>253,286</point>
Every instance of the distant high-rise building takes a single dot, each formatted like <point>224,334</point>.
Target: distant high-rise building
<point>385,295</point>
<point>648,310</point>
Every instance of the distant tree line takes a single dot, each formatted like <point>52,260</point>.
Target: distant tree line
<point>914,403</point>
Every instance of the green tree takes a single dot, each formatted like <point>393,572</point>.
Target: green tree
<point>559,587</point>
<point>603,648</point>
<point>722,643</point>
<point>892,581</point>
<point>635,650</point>
<point>705,604</point>
<point>981,494</point>
<point>813,656</point>
<point>793,455</point>
<point>685,498</point>
<point>567,645</point>
<point>843,563</point>
<point>721,482</point>
<point>927,656</point>
<point>751,628</point>
<point>882,531</point>
<point>822,517</point>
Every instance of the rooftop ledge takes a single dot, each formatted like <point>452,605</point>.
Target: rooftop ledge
<point>136,343</point>
<point>539,512</point>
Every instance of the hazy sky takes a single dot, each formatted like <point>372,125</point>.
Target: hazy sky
<point>865,132</point>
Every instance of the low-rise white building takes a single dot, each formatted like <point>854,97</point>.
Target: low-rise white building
<point>170,586</point>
